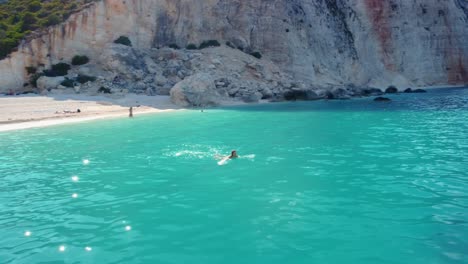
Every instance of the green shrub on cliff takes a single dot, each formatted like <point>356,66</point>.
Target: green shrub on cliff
<point>123,40</point>
<point>85,78</point>
<point>174,46</point>
<point>68,83</point>
<point>79,60</point>
<point>31,70</point>
<point>191,46</point>
<point>59,69</point>
<point>18,18</point>
<point>209,43</point>
<point>33,79</point>
<point>256,54</point>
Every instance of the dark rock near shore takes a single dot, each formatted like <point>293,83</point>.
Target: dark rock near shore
<point>341,93</point>
<point>391,89</point>
<point>372,92</point>
<point>329,95</point>
<point>382,99</point>
<point>300,95</point>
<point>408,90</point>
<point>419,91</point>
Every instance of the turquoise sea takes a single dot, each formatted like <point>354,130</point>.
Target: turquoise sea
<point>351,181</point>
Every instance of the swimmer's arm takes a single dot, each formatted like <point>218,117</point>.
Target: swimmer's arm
<point>219,157</point>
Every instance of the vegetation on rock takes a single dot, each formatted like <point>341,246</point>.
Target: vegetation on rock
<point>80,60</point>
<point>85,78</point>
<point>33,79</point>
<point>104,90</point>
<point>124,41</point>
<point>31,70</point>
<point>256,54</point>
<point>191,46</point>
<point>174,46</point>
<point>209,43</point>
<point>59,69</point>
<point>68,83</point>
<point>18,18</point>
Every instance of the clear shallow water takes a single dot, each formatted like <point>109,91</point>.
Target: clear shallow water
<point>325,182</point>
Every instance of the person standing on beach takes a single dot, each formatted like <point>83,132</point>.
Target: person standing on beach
<point>130,114</point>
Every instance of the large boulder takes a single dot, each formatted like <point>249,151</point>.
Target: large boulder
<point>391,89</point>
<point>196,90</point>
<point>408,90</point>
<point>252,97</point>
<point>48,83</point>
<point>125,61</point>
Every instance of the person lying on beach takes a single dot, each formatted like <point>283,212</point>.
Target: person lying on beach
<point>68,112</point>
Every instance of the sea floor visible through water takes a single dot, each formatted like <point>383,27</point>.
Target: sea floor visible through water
<point>351,181</point>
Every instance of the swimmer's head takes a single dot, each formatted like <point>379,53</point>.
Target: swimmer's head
<point>234,154</point>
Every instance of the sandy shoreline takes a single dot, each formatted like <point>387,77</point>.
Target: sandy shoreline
<point>31,111</point>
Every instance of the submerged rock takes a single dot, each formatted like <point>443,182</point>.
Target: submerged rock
<point>382,99</point>
<point>419,91</point>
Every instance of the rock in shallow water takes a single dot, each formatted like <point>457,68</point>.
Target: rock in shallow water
<point>382,99</point>
<point>419,91</point>
<point>391,89</point>
<point>408,90</point>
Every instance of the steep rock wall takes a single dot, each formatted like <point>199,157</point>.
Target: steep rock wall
<point>322,42</point>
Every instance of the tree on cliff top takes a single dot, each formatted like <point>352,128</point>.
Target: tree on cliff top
<point>18,18</point>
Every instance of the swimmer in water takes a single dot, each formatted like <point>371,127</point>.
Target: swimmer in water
<point>233,155</point>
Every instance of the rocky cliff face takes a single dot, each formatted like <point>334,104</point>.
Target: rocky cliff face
<point>323,43</point>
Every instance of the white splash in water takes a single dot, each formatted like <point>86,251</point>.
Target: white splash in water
<point>62,248</point>
<point>128,228</point>
<point>27,233</point>
<point>75,195</point>
<point>275,200</point>
<point>88,248</point>
<point>85,162</point>
<point>249,156</point>
<point>75,178</point>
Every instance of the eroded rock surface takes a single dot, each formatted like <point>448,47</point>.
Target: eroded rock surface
<point>313,45</point>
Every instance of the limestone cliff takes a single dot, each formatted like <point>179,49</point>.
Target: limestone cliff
<point>321,42</point>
